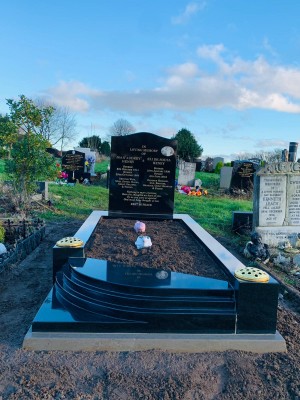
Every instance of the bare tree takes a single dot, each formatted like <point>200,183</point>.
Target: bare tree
<point>60,127</point>
<point>122,128</point>
<point>267,156</point>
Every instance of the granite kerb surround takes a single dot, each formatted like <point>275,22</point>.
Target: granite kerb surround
<point>254,314</point>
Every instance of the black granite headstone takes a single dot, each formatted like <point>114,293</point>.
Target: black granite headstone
<point>242,222</point>
<point>243,176</point>
<point>73,165</point>
<point>142,175</point>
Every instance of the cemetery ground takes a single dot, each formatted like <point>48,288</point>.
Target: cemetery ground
<point>135,375</point>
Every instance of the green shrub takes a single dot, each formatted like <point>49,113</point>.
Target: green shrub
<point>2,233</point>
<point>219,165</point>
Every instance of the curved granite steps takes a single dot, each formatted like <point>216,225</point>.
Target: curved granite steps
<point>97,288</point>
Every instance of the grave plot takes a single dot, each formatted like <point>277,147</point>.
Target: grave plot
<point>96,297</point>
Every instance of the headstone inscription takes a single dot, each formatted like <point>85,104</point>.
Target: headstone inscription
<point>73,164</point>
<point>243,176</point>
<point>186,174</point>
<point>142,175</point>
<point>276,203</point>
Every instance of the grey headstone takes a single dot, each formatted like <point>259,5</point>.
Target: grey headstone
<point>225,177</point>
<point>186,175</point>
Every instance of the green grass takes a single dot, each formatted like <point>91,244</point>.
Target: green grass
<point>212,212</point>
<point>75,201</point>
<point>102,167</point>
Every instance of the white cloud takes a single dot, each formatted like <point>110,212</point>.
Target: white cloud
<point>281,144</point>
<point>190,10</point>
<point>234,83</point>
<point>73,95</point>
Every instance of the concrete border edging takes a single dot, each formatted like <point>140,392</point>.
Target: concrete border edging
<point>177,343</point>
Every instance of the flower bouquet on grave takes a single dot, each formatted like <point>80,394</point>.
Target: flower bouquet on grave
<point>89,161</point>
<point>62,177</point>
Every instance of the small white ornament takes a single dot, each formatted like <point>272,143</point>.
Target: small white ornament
<point>143,242</point>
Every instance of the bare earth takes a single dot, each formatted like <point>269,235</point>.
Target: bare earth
<point>136,375</point>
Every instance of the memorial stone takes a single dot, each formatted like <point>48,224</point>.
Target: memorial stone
<point>142,175</point>
<point>225,177</point>
<point>277,203</point>
<point>243,176</point>
<point>89,155</point>
<point>186,176</point>
<point>73,164</point>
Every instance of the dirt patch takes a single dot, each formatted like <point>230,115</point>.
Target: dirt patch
<point>131,375</point>
<point>173,247</point>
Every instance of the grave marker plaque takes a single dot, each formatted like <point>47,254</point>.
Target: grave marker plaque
<point>73,164</point>
<point>243,175</point>
<point>142,175</point>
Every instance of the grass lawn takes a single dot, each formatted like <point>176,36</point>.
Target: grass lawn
<point>213,212</point>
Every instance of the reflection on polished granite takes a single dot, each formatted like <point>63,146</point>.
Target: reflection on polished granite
<point>100,296</point>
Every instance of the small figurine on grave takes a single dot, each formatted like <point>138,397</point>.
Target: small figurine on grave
<point>256,249</point>
<point>139,227</point>
<point>297,244</point>
<point>143,242</point>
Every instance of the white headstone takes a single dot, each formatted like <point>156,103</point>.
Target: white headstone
<point>88,153</point>
<point>276,207</point>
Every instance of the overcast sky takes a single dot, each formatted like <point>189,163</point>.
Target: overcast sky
<point>227,70</point>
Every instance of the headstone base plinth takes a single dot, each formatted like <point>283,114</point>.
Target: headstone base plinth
<point>276,235</point>
<point>176,343</point>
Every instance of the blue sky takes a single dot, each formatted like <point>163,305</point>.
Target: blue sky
<point>227,70</point>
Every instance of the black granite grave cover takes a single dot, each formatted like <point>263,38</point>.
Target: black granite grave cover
<point>142,175</point>
<point>100,296</point>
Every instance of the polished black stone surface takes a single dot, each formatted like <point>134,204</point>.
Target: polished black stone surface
<point>142,175</point>
<point>243,175</point>
<point>255,303</point>
<point>73,164</point>
<point>257,306</point>
<point>98,296</point>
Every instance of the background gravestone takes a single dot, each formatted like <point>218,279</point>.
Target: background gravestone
<point>89,154</point>
<point>276,203</point>
<point>186,175</point>
<point>142,175</point>
<point>73,164</point>
<point>225,177</point>
<point>243,176</point>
